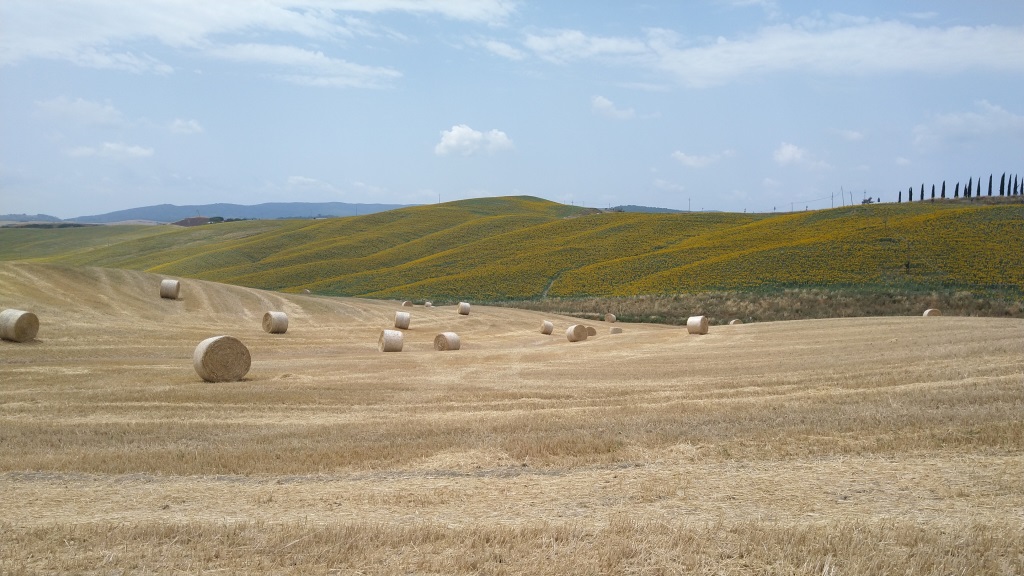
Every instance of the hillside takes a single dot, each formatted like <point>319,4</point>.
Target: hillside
<point>172,213</point>
<point>524,248</point>
<point>853,446</point>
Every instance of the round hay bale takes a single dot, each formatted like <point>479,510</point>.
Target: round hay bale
<point>390,341</point>
<point>18,325</point>
<point>697,324</point>
<point>170,288</point>
<point>402,320</point>
<point>933,312</point>
<point>447,341</point>
<point>275,322</point>
<point>735,322</point>
<point>407,304</point>
<point>221,359</point>
<point>615,330</point>
<point>428,304</point>
<point>576,333</point>
<point>591,331</point>
<point>464,308</point>
<point>306,291</point>
<point>547,327</point>
<point>609,317</point>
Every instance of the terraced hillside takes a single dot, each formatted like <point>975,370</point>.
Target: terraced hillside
<point>524,248</point>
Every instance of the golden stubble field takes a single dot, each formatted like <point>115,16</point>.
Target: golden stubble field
<point>850,446</point>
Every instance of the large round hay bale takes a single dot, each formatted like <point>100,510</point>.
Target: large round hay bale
<point>591,331</point>
<point>402,320</point>
<point>390,341</point>
<point>697,324</point>
<point>546,327</point>
<point>615,330</point>
<point>576,333</point>
<point>428,304</point>
<point>275,322</point>
<point>170,288</point>
<point>221,359</point>
<point>933,312</point>
<point>609,317</point>
<point>447,341</point>
<point>464,308</point>
<point>407,304</point>
<point>18,325</point>
<point>735,322</point>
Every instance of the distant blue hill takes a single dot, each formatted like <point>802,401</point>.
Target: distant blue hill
<point>634,208</point>
<point>28,218</point>
<point>268,211</point>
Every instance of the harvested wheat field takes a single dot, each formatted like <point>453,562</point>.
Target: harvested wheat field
<point>851,446</point>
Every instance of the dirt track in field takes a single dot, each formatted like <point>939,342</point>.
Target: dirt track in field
<point>827,422</point>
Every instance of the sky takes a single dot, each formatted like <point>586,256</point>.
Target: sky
<point>732,105</point>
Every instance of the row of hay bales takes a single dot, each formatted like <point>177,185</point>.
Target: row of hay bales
<point>394,340</point>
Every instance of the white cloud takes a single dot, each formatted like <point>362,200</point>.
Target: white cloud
<point>787,154</point>
<point>699,161</point>
<point>661,184</point>
<point>113,150</point>
<point>180,126</point>
<point>837,45</point>
<point>987,121</point>
<point>901,161</point>
<point>461,139</point>
<point>502,49</point>
<point>563,46</point>
<point>851,135</point>
<point>605,107</point>
<point>306,67</point>
<point>81,111</point>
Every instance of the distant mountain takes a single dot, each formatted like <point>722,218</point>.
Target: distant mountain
<point>648,209</point>
<point>28,218</point>
<point>268,211</point>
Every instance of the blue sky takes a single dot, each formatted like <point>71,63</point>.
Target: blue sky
<point>710,105</point>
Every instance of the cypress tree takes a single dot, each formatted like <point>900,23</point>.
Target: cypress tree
<point>1002,184</point>
<point>1015,192</point>
<point>933,191</point>
<point>967,188</point>
<point>989,184</point>
<point>910,194</point>
<point>943,188</point>
<point>899,199</point>
<point>922,191</point>
<point>956,192</point>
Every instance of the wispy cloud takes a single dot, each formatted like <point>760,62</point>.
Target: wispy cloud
<point>461,139</point>
<point>80,111</point>
<point>605,107</point>
<point>179,126</point>
<point>986,121</point>
<point>792,155</point>
<point>307,67</point>
<point>838,45</point>
<point>502,49</point>
<point>850,135</point>
<point>697,160</point>
<point>113,150</point>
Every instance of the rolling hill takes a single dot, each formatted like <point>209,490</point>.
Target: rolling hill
<point>525,248</point>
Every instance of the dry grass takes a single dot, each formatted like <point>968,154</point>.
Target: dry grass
<point>853,446</point>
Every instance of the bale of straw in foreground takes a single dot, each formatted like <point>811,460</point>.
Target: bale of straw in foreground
<point>609,317</point>
<point>447,341</point>
<point>18,325</point>
<point>170,288</point>
<point>407,304</point>
<point>390,341</point>
<point>221,359</point>
<point>615,330</point>
<point>576,333</point>
<point>735,322</point>
<point>464,308</point>
<point>697,324</point>
<point>546,327</point>
<point>933,312</point>
<point>591,331</point>
<point>402,320</point>
<point>275,322</point>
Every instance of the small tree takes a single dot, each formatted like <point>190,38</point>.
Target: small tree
<point>943,188</point>
<point>899,197</point>
<point>956,191</point>
<point>989,184</point>
<point>910,194</point>
<point>1002,184</point>
<point>933,191</point>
